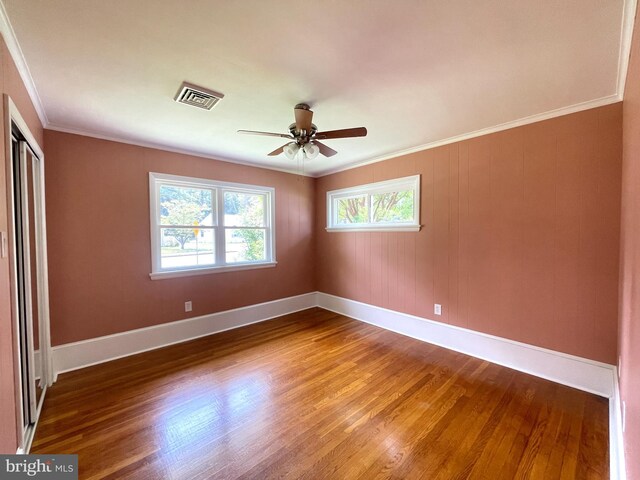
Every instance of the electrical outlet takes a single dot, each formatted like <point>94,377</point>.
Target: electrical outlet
<point>437,309</point>
<point>624,415</point>
<point>188,306</point>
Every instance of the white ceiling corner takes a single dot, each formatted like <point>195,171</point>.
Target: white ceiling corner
<point>417,75</point>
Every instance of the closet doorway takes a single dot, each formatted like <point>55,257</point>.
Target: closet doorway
<point>29,282</point>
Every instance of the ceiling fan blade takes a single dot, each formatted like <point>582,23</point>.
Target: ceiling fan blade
<point>344,133</point>
<point>278,150</point>
<point>265,134</point>
<point>324,150</point>
<point>303,117</point>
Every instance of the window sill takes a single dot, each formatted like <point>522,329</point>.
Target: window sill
<point>209,270</point>
<point>408,228</point>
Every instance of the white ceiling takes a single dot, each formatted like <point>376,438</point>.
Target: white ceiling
<point>414,72</point>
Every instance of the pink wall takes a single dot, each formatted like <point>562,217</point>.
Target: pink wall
<point>99,248</point>
<point>13,86</point>
<point>520,236</point>
<point>629,342</point>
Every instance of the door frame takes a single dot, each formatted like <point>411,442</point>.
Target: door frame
<point>12,117</point>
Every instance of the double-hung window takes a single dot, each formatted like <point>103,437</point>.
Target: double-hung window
<point>389,205</point>
<point>203,226</point>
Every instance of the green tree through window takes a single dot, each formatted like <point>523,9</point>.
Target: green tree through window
<point>183,206</point>
<point>246,210</point>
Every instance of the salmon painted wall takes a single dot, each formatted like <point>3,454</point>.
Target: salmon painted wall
<point>630,262</point>
<point>520,237</point>
<point>97,195</point>
<point>13,86</point>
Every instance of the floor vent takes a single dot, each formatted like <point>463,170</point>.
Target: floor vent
<point>197,96</point>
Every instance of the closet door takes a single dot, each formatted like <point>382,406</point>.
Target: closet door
<point>25,245</point>
<point>30,169</point>
<point>28,231</point>
<point>24,287</point>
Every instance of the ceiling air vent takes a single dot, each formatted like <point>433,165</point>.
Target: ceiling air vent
<point>197,96</point>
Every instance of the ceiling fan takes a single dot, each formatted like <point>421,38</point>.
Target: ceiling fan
<point>304,136</point>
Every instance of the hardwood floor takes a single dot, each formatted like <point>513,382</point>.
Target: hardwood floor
<point>318,395</point>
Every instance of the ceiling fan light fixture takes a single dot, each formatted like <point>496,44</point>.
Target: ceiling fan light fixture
<point>290,150</point>
<point>311,151</point>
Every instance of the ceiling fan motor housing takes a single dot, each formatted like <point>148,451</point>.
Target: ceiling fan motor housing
<point>302,137</point>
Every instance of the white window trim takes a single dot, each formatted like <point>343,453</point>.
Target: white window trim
<point>157,179</point>
<point>404,183</point>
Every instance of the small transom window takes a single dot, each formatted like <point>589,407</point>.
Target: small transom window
<point>389,205</point>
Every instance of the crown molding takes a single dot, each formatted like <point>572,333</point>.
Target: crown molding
<point>579,107</point>
<point>10,39</point>
<point>427,146</point>
<point>626,37</point>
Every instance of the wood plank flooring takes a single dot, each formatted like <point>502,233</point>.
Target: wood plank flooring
<point>316,395</point>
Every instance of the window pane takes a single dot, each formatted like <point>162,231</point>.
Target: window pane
<point>185,206</point>
<point>393,207</point>
<point>187,247</point>
<point>245,245</point>
<point>352,210</point>
<point>244,209</point>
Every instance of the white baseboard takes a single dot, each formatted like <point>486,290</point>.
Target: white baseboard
<point>72,356</point>
<point>584,374</point>
<point>616,440</point>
